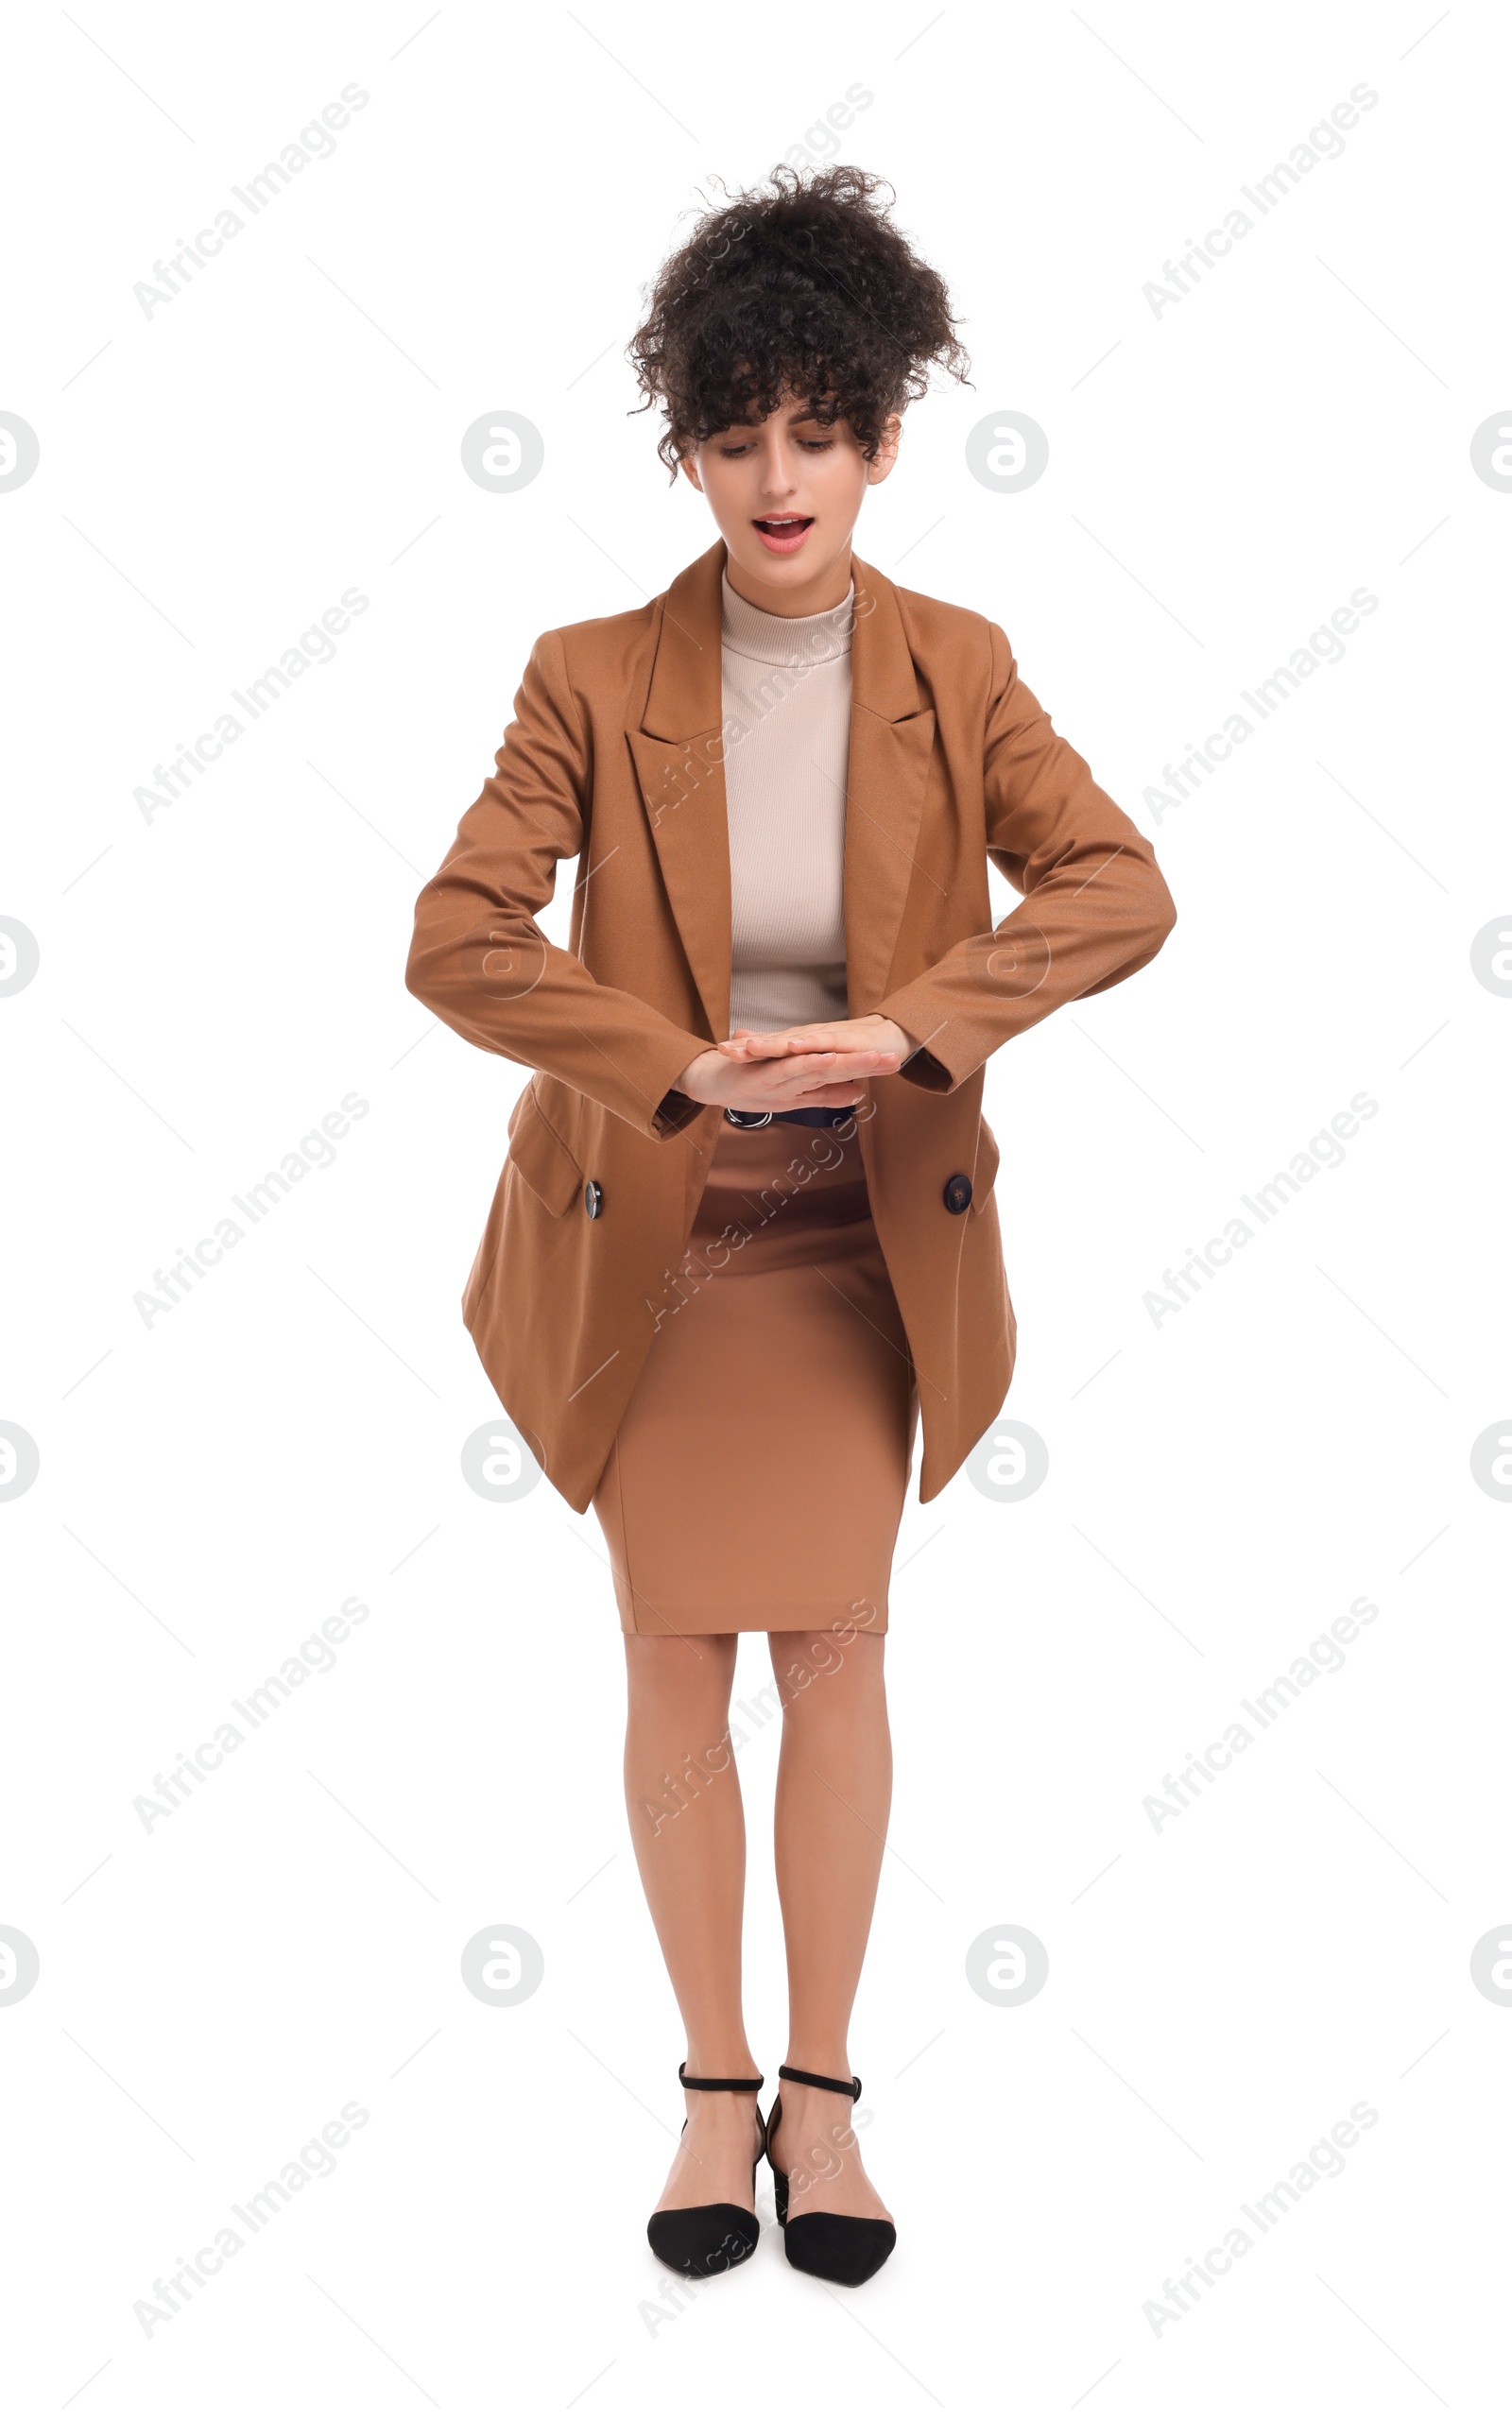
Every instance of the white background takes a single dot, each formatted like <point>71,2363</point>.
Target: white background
<point>1222,1485</point>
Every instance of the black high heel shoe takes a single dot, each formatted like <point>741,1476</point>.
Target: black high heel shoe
<point>823,2242</point>
<point>714,2236</point>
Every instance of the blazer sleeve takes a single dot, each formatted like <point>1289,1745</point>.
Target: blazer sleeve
<point>481,962</point>
<point>1096,906</point>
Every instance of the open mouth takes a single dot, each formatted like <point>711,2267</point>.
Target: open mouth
<point>783,533</point>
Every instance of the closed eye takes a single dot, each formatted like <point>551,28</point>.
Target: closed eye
<point>809,444</point>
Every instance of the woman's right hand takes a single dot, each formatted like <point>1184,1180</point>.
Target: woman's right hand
<point>810,1080</point>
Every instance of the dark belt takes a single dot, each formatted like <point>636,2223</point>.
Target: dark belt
<point>789,1117</point>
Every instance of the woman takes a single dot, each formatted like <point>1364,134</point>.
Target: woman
<point>745,1237</point>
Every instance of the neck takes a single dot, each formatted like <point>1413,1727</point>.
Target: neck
<point>826,590</point>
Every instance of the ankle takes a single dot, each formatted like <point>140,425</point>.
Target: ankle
<point>720,2060</point>
<point>832,2063</point>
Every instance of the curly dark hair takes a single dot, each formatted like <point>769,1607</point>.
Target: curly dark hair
<point>801,286</point>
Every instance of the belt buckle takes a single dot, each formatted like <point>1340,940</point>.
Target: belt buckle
<point>748,1117</point>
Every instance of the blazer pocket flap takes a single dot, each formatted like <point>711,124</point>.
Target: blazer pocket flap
<point>543,1158</point>
<point>987,1168</point>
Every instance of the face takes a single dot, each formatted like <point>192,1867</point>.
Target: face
<point>785,492</point>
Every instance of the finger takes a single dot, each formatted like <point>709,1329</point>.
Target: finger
<point>795,1039</point>
<point>812,1096</point>
<point>754,1046</point>
<point>757,1045</point>
<point>832,1067</point>
<point>806,1037</point>
<point>811,1067</point>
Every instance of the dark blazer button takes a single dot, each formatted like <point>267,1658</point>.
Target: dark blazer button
<point>594,1197</point>
<point>957,1195</point>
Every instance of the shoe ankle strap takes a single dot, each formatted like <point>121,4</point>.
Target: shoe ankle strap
<point>719,2083</point>
<point>822,2083</point>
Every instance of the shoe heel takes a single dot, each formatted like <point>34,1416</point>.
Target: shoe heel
<point>779,2180</point>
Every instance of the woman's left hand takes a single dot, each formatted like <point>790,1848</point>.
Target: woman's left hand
<point>844,1034</point>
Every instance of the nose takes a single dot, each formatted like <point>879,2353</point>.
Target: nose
<point>778,470</point>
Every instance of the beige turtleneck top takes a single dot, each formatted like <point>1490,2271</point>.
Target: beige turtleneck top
<point>786,708</point>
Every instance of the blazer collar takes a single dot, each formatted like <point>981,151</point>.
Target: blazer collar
<point>683,700</point>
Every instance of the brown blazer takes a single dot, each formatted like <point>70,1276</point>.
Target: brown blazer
<point>614,758</point>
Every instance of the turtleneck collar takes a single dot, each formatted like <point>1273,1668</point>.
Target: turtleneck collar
<point>785,639</point>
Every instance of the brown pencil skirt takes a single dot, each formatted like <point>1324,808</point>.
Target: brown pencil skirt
<point>757,1476</point>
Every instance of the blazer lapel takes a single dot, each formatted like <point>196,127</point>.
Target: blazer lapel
<point>678,759</point>
<point>891,744</point>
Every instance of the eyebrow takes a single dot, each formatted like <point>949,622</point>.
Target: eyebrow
<point>797,418</point>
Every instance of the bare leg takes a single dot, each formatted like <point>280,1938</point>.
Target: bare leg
<point>833,1791</point>
<point>689,1830</point>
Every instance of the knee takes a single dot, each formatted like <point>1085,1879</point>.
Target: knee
<point>673,1672</point>
<point>819,1678</point>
